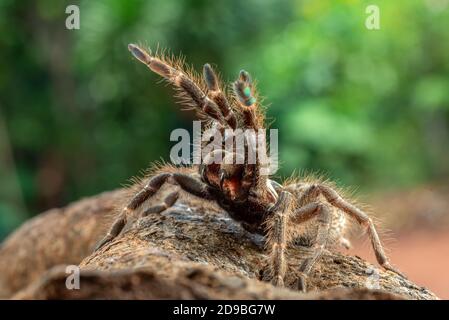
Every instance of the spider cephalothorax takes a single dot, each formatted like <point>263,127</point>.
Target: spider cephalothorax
<point>239,185</point>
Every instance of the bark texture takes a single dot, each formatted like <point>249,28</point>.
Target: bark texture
<point>191,251</point>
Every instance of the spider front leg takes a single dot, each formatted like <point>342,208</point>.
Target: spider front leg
<point>185,181</point>
<point>361,217</point>
<point>217,95</point>
<point>190,92</point>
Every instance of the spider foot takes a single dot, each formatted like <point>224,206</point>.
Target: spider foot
<point>108,238</point>
<point>277,281</point>
<point>265,274</point>
<point>302,282</point>
<point>389,267</point>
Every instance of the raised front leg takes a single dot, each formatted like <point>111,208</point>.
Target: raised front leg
<point>190,93</point>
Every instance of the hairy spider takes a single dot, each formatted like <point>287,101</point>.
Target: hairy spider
<point>259,203</point>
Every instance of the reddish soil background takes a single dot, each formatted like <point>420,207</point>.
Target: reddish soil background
<point>423,255</point>
<point>417,240</point>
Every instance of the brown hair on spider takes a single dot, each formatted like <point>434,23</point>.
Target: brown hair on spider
<point>256,200</point>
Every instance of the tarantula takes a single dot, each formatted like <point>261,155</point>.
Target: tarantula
<point>259,203</point>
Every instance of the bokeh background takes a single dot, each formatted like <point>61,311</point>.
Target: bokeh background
<point>369,108</point>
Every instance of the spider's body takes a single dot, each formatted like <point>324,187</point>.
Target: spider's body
<point>252,213</point>
<point>239,185</point>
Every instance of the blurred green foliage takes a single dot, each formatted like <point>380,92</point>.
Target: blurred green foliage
<point>78,115</point>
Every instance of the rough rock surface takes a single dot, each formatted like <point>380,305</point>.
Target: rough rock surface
<point>191,251</point>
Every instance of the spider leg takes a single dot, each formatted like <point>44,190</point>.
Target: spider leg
<point>153,185</point>
<point>218,96</point>
<point>186,182</point>
<point>361,217</point>
<point>188,88</point>
<point>167,203</point>
<point>243,89</point>
<point>114,231</point>
<point>278,237</point>
<point>310,210</point>
<point>244,92</point>
<point>253,119</point>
